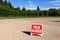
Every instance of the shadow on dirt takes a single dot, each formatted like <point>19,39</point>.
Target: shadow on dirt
<point>28,33</point>
<point>55,21</point>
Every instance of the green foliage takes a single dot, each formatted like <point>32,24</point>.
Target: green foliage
<point>23,9</point>
<point>1,1</point>
<point>38,9</point>
<point>7,10</point>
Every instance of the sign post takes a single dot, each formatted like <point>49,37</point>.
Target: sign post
<point>36,29</point>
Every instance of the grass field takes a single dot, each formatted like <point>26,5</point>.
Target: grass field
<point>12,29</point>
<point>29,17</point>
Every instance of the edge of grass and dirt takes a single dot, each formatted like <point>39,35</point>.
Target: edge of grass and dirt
<point>29,17</point>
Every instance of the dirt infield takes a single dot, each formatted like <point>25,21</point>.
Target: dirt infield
<point>19,29</point>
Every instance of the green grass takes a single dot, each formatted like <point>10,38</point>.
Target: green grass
<point>29,17</point>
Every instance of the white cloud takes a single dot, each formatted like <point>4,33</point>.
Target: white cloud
<point>43,8</point>
<point>3,0</point>
<point>56,2</point>
<point>30,2</point>
<point>32,8</point>
<point>30,5</point>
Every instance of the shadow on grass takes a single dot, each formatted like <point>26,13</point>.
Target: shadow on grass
<point>28,33</point>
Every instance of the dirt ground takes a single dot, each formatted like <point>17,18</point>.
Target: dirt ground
<point>18,29</point>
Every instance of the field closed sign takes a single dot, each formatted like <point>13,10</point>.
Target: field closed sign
<point>36,29</point>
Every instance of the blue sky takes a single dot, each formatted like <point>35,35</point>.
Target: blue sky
<point>32,4</point>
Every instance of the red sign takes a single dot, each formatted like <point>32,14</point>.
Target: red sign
<point>36,29</point>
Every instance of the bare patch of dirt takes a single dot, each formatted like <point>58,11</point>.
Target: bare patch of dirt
<point>12,29</point>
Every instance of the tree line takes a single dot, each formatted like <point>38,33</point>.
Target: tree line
<point>7,10</point>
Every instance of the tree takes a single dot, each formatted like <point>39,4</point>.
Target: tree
<point>45,12</point>
<point>58,12</point>
<point>5,2</point>
<point>10,5</point>
<point>28,13</point>
<point>53,12</point>
<point>38,9</point>
<point>1,1</point>
<point>24,13</point>
<point>7,10</point>
<point>23,9</point>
